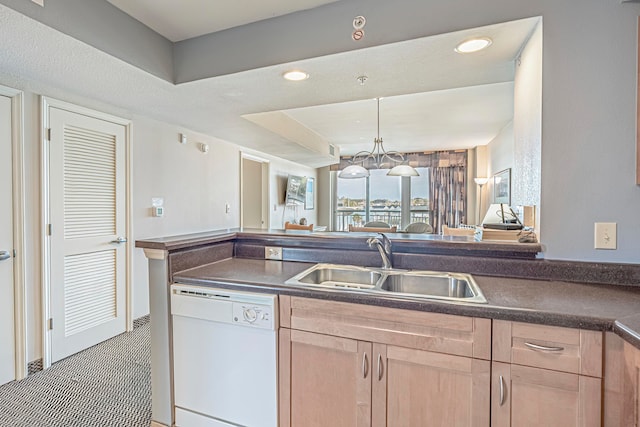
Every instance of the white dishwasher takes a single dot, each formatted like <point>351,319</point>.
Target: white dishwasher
<point>224,357</point>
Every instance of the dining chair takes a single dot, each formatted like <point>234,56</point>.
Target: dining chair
<point>290,226</point>
<point>374,229</point>
<point>419,227</point>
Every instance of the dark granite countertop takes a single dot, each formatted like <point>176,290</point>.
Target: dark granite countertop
<point>587,306</point>
<point>628,327</point>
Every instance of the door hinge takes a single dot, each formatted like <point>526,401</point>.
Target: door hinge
<point>48,229</point>
<point>49,134</point>
<point>51,323</point>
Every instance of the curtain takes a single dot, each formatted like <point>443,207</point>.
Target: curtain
<point>448,196</point>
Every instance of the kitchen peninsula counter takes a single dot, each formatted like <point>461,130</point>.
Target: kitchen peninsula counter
<point>518,284</point>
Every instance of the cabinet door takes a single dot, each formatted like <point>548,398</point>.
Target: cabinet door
<point>523,396</point>
<point>632,370</point>
<point>330,381</point>
<point>621,382</point>
<point>421,388</point>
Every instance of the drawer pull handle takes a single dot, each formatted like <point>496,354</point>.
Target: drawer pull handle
<point>379,367</point>
<point>501,390</point>
<point>365,366</point>
<point>542,347</point>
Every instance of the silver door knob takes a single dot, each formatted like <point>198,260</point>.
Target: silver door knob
<point>119,240</point>
<point>4,255</point>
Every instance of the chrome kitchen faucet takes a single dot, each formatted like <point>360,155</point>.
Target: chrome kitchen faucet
<point>384,247</point>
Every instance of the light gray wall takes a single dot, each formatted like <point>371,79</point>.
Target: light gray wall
<point>527,123</point>
<point>325,195</point>
<point>500,156</point>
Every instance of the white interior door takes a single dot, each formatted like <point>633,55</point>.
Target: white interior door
<point>87,197</point>
<point>7,338</point>
<point>255,192</point>
<point>251,194</point>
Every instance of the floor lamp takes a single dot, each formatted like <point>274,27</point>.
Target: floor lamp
<point>480,182</point>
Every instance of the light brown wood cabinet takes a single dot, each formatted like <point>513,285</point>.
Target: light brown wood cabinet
<point>621,383</point>
<point>344,364</point>
<point>545,376</point>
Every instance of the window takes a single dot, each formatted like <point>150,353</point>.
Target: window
<point>420,196</point>
<point>394,200</point>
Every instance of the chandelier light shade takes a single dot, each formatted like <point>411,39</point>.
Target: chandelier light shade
<point>379,157</point>
<point>353,172</point>
<point>403,170</point>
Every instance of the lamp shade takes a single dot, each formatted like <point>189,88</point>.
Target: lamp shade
<point>403,170</point>
<point>481,181</point>
<point>353,172</point>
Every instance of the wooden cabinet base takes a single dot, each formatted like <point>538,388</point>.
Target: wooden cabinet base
<point>621,383</point>
<point>532,397</point>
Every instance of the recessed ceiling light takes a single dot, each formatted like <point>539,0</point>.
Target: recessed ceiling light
<point>473,45</point>
<point>295,75</point>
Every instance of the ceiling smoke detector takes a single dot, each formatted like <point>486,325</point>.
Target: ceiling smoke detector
<point>359,22</point>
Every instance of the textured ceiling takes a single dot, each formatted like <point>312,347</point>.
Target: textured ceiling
<point>185,19</point>
<point>78,72</point>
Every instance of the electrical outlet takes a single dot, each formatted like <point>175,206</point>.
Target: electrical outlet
<point>272,252</point>
<point>605,235</point>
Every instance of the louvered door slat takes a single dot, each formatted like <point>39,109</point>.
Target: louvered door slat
<point>89,182</point>
<point>90,290</point>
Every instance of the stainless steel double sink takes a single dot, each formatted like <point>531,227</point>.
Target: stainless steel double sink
<point>413,284</point>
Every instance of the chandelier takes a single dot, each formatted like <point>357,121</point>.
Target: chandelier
<point>379,158</point>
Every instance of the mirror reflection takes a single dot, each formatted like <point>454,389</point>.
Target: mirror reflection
<point>472,145</point>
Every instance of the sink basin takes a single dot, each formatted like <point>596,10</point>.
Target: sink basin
<point>433,284</point>
<point>338,276</point>
<point>391,283</point>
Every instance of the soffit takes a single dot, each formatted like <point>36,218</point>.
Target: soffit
<point>185,19</point>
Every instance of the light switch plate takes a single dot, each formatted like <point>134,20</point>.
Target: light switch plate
<point>605,235</point>
<point>273,252</point>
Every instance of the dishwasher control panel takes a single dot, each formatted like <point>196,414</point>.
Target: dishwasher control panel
<point>255,315</point>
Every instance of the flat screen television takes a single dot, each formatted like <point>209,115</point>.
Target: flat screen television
<point>296,190</point>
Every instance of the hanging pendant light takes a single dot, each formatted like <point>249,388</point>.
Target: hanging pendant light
<point>353,172</point>
<point>403,170</point>
<point>379,157</point>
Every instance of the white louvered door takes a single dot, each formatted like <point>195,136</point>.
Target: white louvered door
<point>7,340</point>
<point>87,213</point>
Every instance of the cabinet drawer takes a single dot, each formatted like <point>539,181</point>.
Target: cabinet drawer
<point>570,350</point>
<point>442,333</point>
